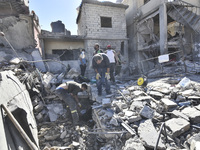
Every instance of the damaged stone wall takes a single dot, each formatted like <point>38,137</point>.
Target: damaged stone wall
<point>18,30</point>
<point>90,22</point>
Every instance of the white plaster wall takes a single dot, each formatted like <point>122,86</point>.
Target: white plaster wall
<point>90,23</point>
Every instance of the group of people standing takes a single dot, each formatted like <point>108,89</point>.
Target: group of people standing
<point>103,64</point>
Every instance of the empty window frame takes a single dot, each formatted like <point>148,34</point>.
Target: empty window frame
<point>106,22</point>
<point>66,55</point>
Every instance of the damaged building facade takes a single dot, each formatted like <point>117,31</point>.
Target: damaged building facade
<point>98,22</point>
<point>60,46</point>
<point>157,28</point>
<point>103,23</point>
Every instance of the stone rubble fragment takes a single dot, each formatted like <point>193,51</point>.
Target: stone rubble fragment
<point>177,126</point>
<point>149,135</point>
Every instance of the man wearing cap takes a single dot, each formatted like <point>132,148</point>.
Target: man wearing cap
<point>96,49</point>
<point>112,58</point>
<point>68,93</point>
<point>101,65</point>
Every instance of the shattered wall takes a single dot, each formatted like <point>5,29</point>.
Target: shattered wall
<point>151,26</point>
<point>18,30</point>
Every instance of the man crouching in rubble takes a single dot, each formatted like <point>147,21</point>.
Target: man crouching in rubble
<point>68,93</point>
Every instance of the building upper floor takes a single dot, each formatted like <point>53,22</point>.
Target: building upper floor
<point>104,20</point>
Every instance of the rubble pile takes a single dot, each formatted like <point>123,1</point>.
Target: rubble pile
<point>164,114</point>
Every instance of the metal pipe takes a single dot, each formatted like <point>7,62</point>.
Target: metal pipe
<point>159,135</point>
<point>19,128</point>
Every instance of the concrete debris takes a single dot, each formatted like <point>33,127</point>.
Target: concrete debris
<point>177,126</point>
<point>147,112</point>
<point>192,113</point>
<point>130,117</point>
<point>149,135</point>
<point>133,144</point>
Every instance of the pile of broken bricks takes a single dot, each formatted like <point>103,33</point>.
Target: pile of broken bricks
<point>163,115</point>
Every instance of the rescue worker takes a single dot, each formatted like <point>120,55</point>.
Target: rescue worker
<point>112,58</point>
<point>97,49</point>
<point>101,65</point>
<point>68,93</point>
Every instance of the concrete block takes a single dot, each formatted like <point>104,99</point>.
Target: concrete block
<point>177,126</point>
<point>178,114</point>
<point>149,135</point>
<point>168,103</point>
<point>156,94</point>
<point>142,98</point>
<point>134,119</point>
<point>192,113</point>
<point>133,144</point>
<point>147,112</point>
<point>187,93</point>
<point>39,107</point>
<point>129,113</point>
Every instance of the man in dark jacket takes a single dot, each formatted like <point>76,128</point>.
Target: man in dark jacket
<point>101,65</point>
<point>68,93</point>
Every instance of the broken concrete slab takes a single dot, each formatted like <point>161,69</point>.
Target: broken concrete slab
<point>142,98</point>
<point>177,126</point>
<point>54,111</point>
<point>178,114</point>
<point>147,112</point>
<point>168,103</point>
<point>133,144</point>
<point>194,142</point>
<point>149,135</point>
<point>38,60</point>
<point>188,92</point>
<point>133,119</point>
<point>192,113</point>
<point>156,94</point>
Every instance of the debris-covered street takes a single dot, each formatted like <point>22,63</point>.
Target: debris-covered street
<point>129,80</point>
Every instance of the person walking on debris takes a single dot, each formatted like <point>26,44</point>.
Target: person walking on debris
<point>82,58</point>
<point>96,49</point>
<point>118,64</point>
<point>113,59</point>
<point>68,93</point>
<point>101,65</point>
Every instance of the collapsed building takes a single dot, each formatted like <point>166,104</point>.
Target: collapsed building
<point>162,113</point>
<point>163,28</point>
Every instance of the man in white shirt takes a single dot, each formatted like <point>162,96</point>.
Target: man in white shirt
<point>112,58</point>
